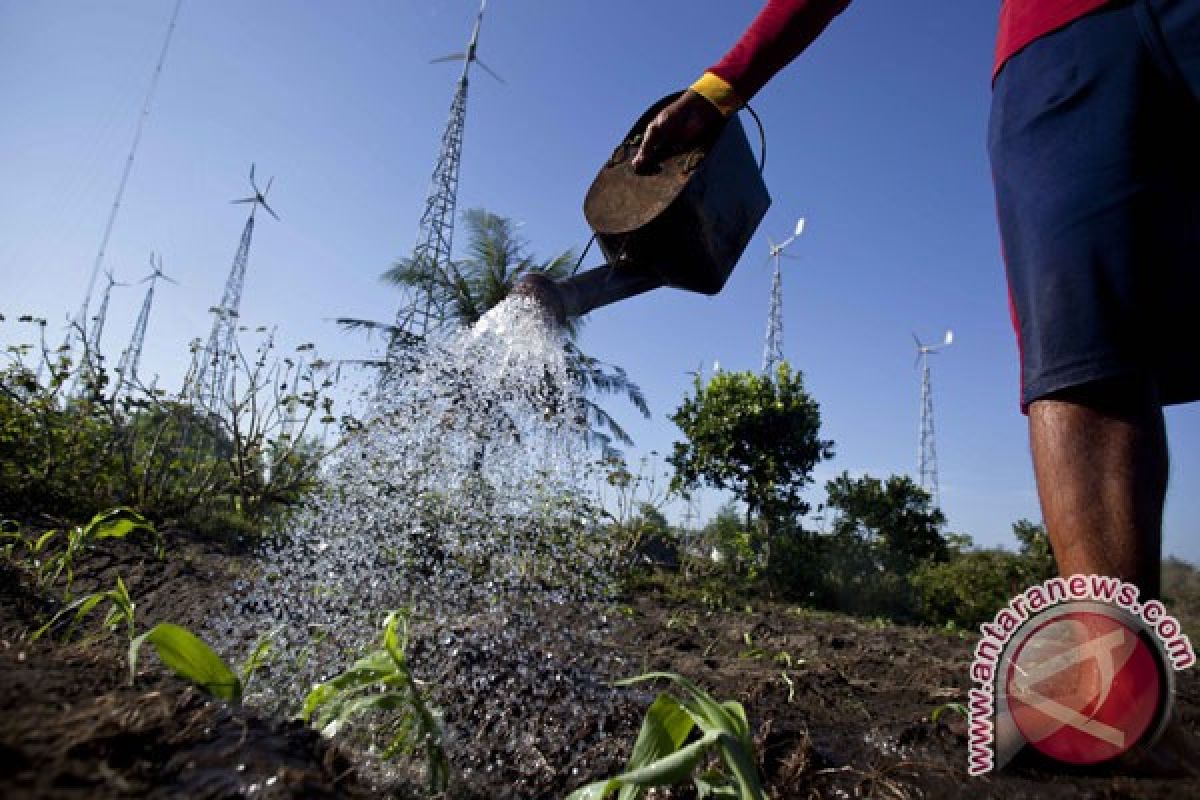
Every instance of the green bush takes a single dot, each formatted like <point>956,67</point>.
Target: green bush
<point>70,444</point>
<point>973,585</point>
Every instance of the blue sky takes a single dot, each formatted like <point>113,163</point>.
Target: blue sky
<point>876,135</point>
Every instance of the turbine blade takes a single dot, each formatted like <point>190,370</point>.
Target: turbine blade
<point>451,57</point>
<point>245,200</point>
<point>490,71</point>
<point>270,211</point>
<point>270,181</point>
<point>918,341</point>
<point>169,279</point>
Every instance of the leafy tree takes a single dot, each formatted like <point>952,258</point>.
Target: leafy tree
<point>1036,551</point>
<point>895,520</point>
<point>753,434</point>
<point>496,260</point>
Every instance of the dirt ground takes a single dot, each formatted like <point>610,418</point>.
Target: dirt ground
<point>841,707</point>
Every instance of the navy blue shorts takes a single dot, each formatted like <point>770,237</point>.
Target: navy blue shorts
<point>1095,146</point>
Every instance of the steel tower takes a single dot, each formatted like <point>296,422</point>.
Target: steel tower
<point>98,321</point>
<point>421,310</point>
<point>81,319</point>
<point>773,349</point>
<point>87,371</point>
<point>212,369</point>
<point>927,449</point>
<point>132,356</point>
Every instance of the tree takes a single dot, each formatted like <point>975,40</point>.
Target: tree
<point>895,520</point>
<point>1036,553</point>
<point>497,258</point>
<point>752,434</point>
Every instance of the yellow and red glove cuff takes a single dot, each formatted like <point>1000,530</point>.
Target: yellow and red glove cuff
<point>717,91</point>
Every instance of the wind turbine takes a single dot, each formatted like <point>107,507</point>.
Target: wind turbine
<point>421,309</point>
<point>927,450</point>
<point>773,348</point>
<point>259,198</point>
<point>208,384</point>
<point>128,366</point>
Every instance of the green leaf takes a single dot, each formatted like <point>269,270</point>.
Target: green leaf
<point>82,607</point>
<point>190,658</point>
<point>117,523</point>
<point>666,771</point>
<point>42,540</point>
<point>259,655</point>
<point>664,730</point>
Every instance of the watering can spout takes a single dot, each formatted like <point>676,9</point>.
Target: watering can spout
<point>587,291</point>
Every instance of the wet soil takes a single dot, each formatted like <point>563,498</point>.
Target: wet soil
<point>840,707</point>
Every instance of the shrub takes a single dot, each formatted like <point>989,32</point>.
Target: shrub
<point>69,444</point>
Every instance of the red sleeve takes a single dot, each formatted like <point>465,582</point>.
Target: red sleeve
<point>780,32</point>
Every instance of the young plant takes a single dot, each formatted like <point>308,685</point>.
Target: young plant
<point>121,611</point>
<point>382,681</point>
<point>179,649</point>
<point>190,658</point>
<point>662,756</point>
<point>115,523</point>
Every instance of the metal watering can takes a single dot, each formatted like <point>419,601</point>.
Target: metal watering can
<point>685,225</point>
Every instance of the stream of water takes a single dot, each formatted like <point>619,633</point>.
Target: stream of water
<point>463,499</point>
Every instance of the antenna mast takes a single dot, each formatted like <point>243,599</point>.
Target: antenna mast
<point>422,309</point>
<point>81,319</point>
<point>927,449</point>
<point>773,349</point>
<point>212,370</point>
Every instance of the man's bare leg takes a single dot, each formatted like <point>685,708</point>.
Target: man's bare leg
<point>1101,471</point>
<point>1102,479</point>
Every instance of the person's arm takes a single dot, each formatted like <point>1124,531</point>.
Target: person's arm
<point>781,31</point>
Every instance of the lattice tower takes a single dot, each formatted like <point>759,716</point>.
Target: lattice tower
<point>927,466</point>
<point>773,346</point>
<point>212,368</point>
<point>422,309</point>
<point>131,358</point>
<point>773,349</point>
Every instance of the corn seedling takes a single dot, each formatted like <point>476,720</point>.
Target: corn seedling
<point>47,568</point>
<point>121,611</point>
<point>382,681</point>
<point>259,656</point>
<point>662,755</point>
<point>190,658</point>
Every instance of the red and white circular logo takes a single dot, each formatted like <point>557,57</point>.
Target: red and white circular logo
<point>1085,686</point>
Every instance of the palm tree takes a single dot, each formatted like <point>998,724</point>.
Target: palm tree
<point>497,258</point>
